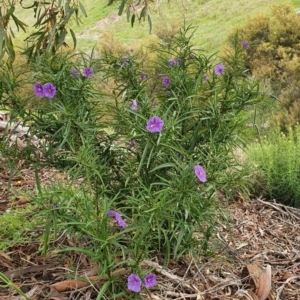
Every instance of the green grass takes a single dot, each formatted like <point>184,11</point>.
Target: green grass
<point>278,168</point>
<point>214,19</point>
<point>15,227</point>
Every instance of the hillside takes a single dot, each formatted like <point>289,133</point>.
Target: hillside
<point>214,19</point>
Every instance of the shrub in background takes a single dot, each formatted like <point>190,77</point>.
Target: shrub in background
<point>274,57</point>
<point>167,32</point>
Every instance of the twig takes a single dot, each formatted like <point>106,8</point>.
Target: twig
<point>279,290</point>
<point>183,295</point>
<point>291,211</point>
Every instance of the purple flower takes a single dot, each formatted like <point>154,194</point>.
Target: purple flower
<point>120,221</point>
<point>38,89</point>
<point>205,78</point>
<point>143,76</point>
<point>134,283</point>
<point>88,72</point>
<point>74,73</point>
<point>49,90</point>
<point>118,218</point>
<point>155,124</point>
<point>111,213</point>
<point>166,81</point>
<point>174,61</point>
<point>134,105</point>
<point>245,45</point>
<point>150,280</point>
<point>200,173</point>
<point>131,143</point>
<point>219,69</point>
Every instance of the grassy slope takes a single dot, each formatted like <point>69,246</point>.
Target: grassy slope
<point>213,18</point>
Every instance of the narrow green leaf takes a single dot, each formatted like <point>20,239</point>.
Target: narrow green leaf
<point>143,157</point>
<point>132,20</point>
<point>11,32</point>
<point>121,8</point>
<point>82,9</point>
<point>74,38</point>
<point>19,23</point>
<point>1,42</point>
<point>11,48</point>
<point>10,11</point>
<point>150,157</point>
<point>9,283</point>
<point>62,37</point>
<point>162,166</point>
<point>103,289</point>
<point>150,23</point>
<point>143,13</point>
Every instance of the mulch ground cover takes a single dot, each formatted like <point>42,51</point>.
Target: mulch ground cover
<point>260,257</point>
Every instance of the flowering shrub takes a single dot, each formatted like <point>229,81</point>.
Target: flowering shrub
<point>150,162</point>
<point>73,109</point>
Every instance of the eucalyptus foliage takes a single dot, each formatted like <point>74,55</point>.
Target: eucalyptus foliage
<point>52,20</point>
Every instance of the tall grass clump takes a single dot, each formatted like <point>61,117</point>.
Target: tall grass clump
<point>146,166</point>
<point>277,160</point>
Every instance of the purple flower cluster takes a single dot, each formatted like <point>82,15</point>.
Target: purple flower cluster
<point>47,90</point>
<point>200,173</point>
<point>219,69</point>
<point>155,124</point>
<point>135,282</point>
<point>118,218</point>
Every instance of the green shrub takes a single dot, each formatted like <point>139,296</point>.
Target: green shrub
<point>145,182</point>
<point>274,57</point>
<point>277,161</point>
